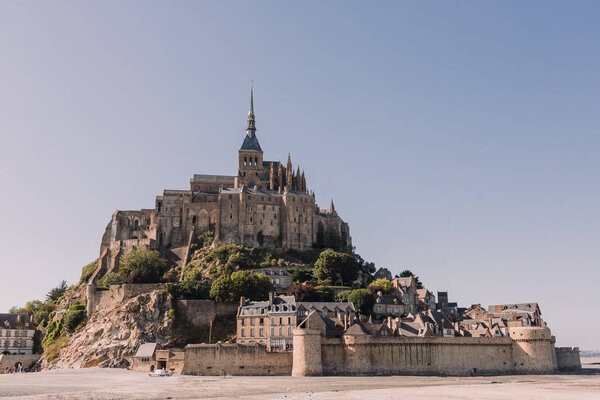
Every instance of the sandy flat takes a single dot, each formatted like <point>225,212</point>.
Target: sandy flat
<point>94,383</point>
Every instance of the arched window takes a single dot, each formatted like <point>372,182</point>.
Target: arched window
<point>194,220</point>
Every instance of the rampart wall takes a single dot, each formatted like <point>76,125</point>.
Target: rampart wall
<point>99,299</point>
<point>235,359</point>
<point>531,352</point>
<point>200,313</point>
<point>10,360</point>
<point>568,358</point>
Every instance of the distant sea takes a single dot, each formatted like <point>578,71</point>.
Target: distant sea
<point>589,353</point>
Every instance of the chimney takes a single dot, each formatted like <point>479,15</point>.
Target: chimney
<point>242,301</point>
<point>271,296</point>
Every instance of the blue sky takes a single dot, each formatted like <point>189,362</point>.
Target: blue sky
<point>458,139</point>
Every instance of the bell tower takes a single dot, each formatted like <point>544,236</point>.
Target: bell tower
<point>250,155</point>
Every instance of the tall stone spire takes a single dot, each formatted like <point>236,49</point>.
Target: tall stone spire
<point>251,141</point>
<point>331,207</point>
<point>289,172</point>
<point>251,126</point>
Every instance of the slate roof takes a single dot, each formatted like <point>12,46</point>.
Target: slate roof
<point>146,350</point>
<point>14,321</point>
<point>251,142</point>
<point>387,299</point>
<point>330,305</point>
<point>356,330</point>
<point>529,307</point>
<point>213,178</point>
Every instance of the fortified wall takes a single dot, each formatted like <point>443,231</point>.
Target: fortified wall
<point>14,360</point>
<point>528,350</point>
<point>100,299</point>
<point>235,359</point>
<point>568,358</point>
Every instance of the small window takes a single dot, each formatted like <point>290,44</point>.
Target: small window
<point>243,332</point>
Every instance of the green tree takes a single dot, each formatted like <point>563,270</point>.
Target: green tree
<point>334,267</point>
<point>143,266</point>
<point>55,293</point>
<point>406,273</point>
<point>241,283</point>
<point>363,301</point>
<point>381,285</point>
<point>343,295</point>
<point>304,293</point>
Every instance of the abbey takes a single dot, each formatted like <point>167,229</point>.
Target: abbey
<point>266,204</point>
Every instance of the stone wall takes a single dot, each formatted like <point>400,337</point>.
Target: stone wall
<point>235,359</point>
<point>99,299</point>
<point>531,352</point>
<point>26,360</point>
<point>200,313</point>
<point>568,358</point>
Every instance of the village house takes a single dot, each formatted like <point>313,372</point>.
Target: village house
<point>16,334</point>
<point>387,305</point>
<point>280,278</point>
<point>269,323</point>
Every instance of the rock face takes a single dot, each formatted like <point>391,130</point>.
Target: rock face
<point>111,337</point>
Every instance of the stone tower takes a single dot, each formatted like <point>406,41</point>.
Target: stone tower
<point>250,155</point>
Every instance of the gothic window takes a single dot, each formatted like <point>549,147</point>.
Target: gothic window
<point>230,216</point>
<point>194,220</point>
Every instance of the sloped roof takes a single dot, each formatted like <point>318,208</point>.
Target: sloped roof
<point>146,350</point>
<point>251,142</point>
<point>357,329</point>
<point>329,305</point>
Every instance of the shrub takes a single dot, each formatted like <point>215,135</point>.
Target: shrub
<point>343,295</point>
<point>189,289</point>
<point>73,318</point>
<point>87,271</point>
<point>53,348</point>
<point>110,279</point>
<point>143,266</point>
<point>241,283</point>
<point>382,285</point>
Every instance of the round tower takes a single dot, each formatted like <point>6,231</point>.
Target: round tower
<point>90,295</point>
<point>533,349</point>
<point>307,353</point>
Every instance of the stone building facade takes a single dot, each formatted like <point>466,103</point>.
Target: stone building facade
<point>16,334</point>
<point>265,204</point>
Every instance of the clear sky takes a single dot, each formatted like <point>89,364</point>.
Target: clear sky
<point>458,139</point>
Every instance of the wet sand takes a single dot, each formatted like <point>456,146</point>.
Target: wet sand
<point>95,383</point>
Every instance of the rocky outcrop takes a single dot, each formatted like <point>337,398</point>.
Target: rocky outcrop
<point>111,337</point>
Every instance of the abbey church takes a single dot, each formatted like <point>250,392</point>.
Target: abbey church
<point>266,204</point>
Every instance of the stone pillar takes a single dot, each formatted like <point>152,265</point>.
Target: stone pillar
<point>307,353</point>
